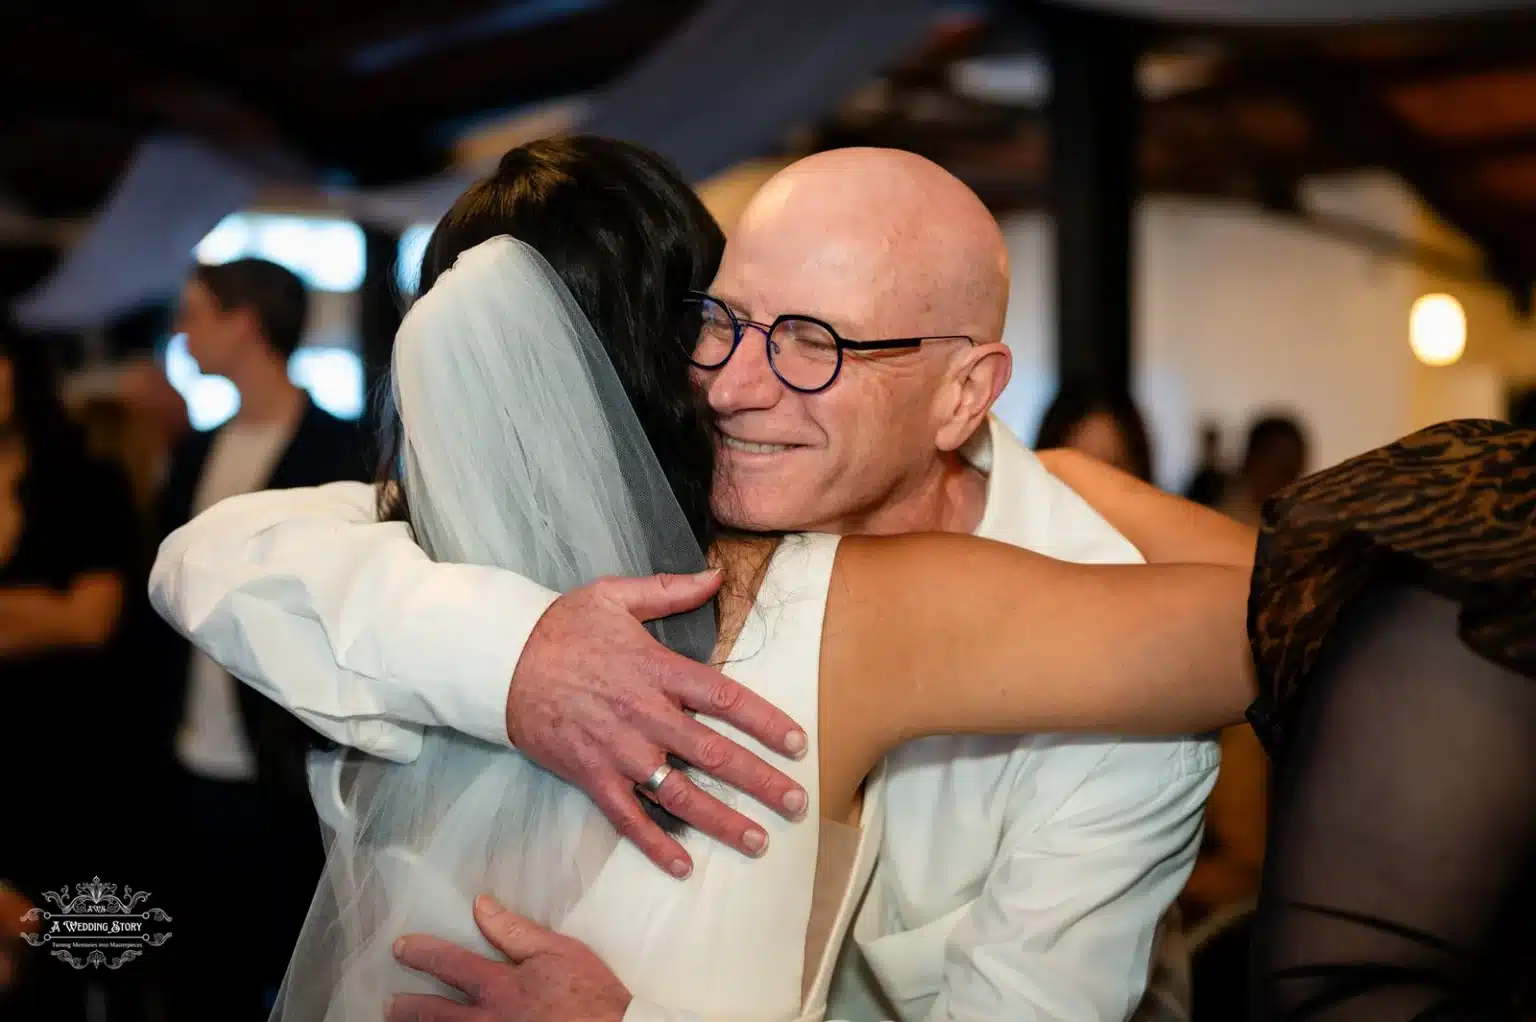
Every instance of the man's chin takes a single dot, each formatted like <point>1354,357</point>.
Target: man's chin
<point>734,511</point>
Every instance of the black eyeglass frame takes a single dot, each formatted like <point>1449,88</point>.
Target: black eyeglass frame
<point>739,325</point>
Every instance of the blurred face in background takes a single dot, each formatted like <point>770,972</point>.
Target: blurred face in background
<point>1276,465</point>
<point>214,334</point>
<point>146,389</point>
<point>1099,436</point>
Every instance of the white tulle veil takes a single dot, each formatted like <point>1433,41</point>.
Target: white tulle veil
<point>520,450</point>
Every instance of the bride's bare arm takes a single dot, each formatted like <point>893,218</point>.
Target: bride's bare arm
<point>1165,528</point>
<point>948,634</point>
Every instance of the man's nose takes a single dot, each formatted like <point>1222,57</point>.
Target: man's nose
<point>746,382</point>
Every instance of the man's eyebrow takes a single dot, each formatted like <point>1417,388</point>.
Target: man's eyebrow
<point>743,312</point>
<point>734,304</point>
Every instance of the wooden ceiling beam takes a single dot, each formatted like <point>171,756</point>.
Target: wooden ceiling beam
<point>1503,147</point>
<point>1508,51</point>
<point>1347,112</point>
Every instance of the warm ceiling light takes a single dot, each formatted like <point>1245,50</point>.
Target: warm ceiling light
<point>1437,330</point>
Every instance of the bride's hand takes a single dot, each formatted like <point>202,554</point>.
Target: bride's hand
<point>600,703</point>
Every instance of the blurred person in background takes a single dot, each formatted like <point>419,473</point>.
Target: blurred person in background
<point>123,434</point>
<point>242,816</point>
<point>1209,482</point>
<point>69,564</point>
<point>145,388</point>
<point>1109,427</point>
<point>1100,423</point>
<point>1222,890</point>
<point>1276,456</point>
<point>161,411</point>
<point>1522,410</point>
<point>13,906</point>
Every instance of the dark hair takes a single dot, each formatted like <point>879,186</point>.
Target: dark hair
<point>1075,402</point>
<point>1522,409</point>
<point>630,238</point>
<point>1271,431</point>
<point>273,293</point>
<point>55,443</point>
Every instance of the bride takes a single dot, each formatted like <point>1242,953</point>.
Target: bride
<point>527,441</point>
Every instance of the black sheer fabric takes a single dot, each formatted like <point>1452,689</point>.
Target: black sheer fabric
<point>1398,883</point>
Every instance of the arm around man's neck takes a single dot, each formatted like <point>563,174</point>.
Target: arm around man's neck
<point>1166,529</point>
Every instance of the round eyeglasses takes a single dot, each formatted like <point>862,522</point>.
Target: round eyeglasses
<point>804,353</point>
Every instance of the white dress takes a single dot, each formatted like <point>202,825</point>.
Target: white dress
<point>738,927</point>
<point>739,938</point>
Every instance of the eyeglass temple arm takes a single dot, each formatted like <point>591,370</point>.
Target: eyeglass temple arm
<point>903,342</point>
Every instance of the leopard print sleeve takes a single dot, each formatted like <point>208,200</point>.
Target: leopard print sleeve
<point>1452,507</point>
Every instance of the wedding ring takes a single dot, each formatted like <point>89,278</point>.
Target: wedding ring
<point>654,782</point>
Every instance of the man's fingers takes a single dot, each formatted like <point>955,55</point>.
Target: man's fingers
<point>681,797</point>
<point>663,595</point>
<point>427,1008</point>
<point>458,967</point>
<point>618,801</point>
<point>724,760</point>
<point>705,690</point>
<point>517,938</point>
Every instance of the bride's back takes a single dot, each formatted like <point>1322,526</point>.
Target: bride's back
<point>525,440</point>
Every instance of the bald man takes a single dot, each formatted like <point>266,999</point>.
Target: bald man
<point>1018,878</point>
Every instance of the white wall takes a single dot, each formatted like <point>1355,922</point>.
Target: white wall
<point>1240,312</point>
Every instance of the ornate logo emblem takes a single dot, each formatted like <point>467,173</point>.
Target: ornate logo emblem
<point>95,927</point>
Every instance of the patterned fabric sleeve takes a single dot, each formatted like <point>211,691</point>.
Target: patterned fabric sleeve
<point>1452,507</point>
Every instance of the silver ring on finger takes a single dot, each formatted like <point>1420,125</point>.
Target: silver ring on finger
<point>653,783</point>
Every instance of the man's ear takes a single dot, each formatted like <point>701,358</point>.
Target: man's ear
<point>975,384</point>
<point>250,323</point>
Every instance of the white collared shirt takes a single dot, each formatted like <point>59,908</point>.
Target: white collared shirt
<point>1019,878</point>
<point>1025,878</point>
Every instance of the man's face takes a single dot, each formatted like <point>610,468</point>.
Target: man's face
<point>795,461</point>
<point>212,333</point>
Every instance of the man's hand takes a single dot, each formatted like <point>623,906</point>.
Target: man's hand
<point>597,701</point>
<point>548,978</point>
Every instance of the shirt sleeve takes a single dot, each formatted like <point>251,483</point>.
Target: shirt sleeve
<point>1065,925</point>
<point>343,620</point>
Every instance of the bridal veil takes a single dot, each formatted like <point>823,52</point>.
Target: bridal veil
<point>520,450</point>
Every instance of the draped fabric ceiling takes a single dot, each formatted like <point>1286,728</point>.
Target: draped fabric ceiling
<point>207,121</point>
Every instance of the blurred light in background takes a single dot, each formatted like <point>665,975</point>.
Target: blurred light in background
<point>1437,330</point>
<point>413,245</point>
<point>211,400</point>
<point>327,253</point>
<point>333,377</point>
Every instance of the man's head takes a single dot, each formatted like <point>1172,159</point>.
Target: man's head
<point>1276,456</point>
<point>879,244</point>
<point>241,313</point>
